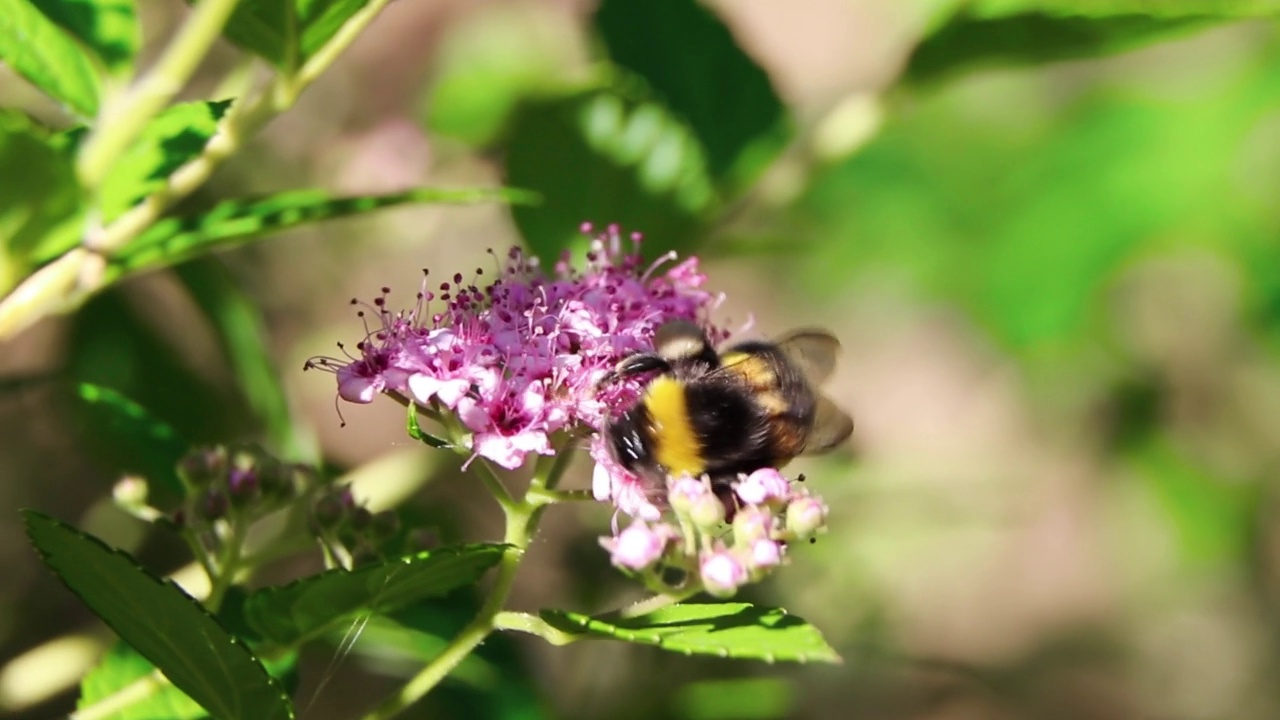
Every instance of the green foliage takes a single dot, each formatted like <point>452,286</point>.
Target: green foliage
<point>733,630</point>
<point>161,622</point>
<point>1034,31</point>
<point>1026,229</point>
<point>288,32</point>
<point>692,63</point>
<point>146,445</point>
<point>175,136</point>
<point>736,699</point>
<point>39,207</point>
<point>35,47</point>
<point>1212,518</point>
<point>313,606</point>
<point>599,157</point>
<point>235,222</point>
<point>120,668</point>
<point>107,27</point>
<point>239,326</point>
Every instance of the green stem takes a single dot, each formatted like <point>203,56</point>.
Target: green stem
<point>521,520</point>
<point>534,625</point>
<point>494,485</point>
<point>541,496</point>
<point>657,602</point>
<point>121,125</point>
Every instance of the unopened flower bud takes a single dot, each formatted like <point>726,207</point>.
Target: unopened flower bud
<point>806,515</point>
<point>329,512</point>
<point>212,505</point>
<point>685,492</point>
<point>750,525</point>
<point>203,466</point>
<point>722,573</point>
<point>763,486</point>
<point>638,546</point>
<point>765,554</point>
<point>243,486</point>
<point>707,512</point>
<point>130,492</point>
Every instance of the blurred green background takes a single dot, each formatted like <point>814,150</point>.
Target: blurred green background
<point>1057,282</point>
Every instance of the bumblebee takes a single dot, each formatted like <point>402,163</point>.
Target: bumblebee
<point>753,406</point>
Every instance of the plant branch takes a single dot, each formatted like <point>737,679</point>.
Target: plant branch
<point>119,126</point>
<point>534,625</point>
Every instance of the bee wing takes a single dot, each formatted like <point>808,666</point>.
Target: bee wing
<point>831,426</point>
<point>813,351</point>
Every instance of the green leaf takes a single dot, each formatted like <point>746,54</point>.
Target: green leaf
<point>1037,38</point>
<point>37,49</point>
<point>288,32</point>
<point>172,138</point>
<point>1035,31</point>
<point>239,325</point>
<point>142,442</point>
<point>161,622</point>
<point>236,222</point>
<point>690,59</point>
<point>297,612</point>
<point>39,206</point>
<point>107,27</point>
<point>422,436</point>
<point>121,667</point>
<point>736,630</point>
<point>597,157</point>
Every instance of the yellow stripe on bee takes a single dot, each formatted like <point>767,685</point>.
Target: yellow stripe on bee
<point>756,371</point>
<point>676,447</point>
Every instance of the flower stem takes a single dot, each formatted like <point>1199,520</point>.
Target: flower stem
<point>520,521</point>
<point>534,625</point>
<point>121,125</point>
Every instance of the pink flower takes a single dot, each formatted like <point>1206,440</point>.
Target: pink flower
<point>722,573</point>
<point>518,358</point>
<point>639,546</point>
<point>765,554</point>
<point>806,515</point>
<point>762,486</point>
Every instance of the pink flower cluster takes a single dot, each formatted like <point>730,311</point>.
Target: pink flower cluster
<point>769,512</point>
<point>514,363</point>
<point>517,359</point>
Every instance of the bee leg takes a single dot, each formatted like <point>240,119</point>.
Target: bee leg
<point>723,489</point>
<point>635,365</point>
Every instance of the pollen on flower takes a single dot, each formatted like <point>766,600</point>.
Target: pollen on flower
<point>516,355</point>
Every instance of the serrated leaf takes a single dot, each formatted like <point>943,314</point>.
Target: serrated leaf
<point>39,206</point>
<point>142,442</point>
<point>108,27</point>
<point>599,157</point>
<point>735,630</point>
<point>236,222</point>
<point>297,612</point>
<point>1034,31</point>
<point>242,332</point>
<point>164,624</point>
<point>122,667</point>
<point>691,60</point>
<point>37,49</point>
<point>172,138</point>
<point>288,32</point>
<point>1031,38</point>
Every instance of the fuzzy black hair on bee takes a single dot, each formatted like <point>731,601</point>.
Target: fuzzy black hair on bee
<point>752,406</point>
